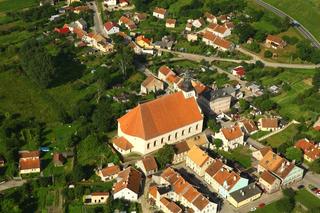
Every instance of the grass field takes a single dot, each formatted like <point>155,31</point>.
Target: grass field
<point>282,137</point>
<point>307,12</point>
<point>307,199</point>
<point>10,5</point>
<point>242,155</point>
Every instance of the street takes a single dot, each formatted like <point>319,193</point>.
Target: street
<point>11,184</point>
<point>98,23</point>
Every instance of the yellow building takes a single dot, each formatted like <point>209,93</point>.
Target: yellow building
<point>245,195</point>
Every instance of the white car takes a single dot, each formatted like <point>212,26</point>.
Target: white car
<point>253,209</point>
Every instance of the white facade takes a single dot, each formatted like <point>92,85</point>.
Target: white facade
<point>113,30</point>
<point>199,170</point>
<point>159,15</point>
<point>110,2</point>
<point>126,194</point>
<point>143,146</point>
<point>28,171</point>
<point>232,144</point>
<point>211,43</point>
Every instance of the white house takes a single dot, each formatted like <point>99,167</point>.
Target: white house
<point>150,125</point>
<point>148,165</point>
<point>163,72</point>
<point>212,40</point>
<point>159,13</point>
<point>128,185</point>
<point>29,162</point>
<point>111,28</point>
<point>198,160</point>
<point>197,23</point>
<point>110,2</point>
<point>268,124</point>
<point>96,198</point>
<point>109,173</point>
<point>231,137</point>
<point>219,30</point>
<point>211,18</point>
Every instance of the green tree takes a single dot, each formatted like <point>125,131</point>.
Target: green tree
<point>212,124</point>
<point>8,205</point>
<point>293,153</point>
<point>316,79</point>
<point>285,205</point>
<point>315,166</point>
<point>218,143</point>
<point>268,54</point>
<point>164,156</point>
<point>244,105</point>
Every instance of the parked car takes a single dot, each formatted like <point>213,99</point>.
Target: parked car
<point>262,205</point>
<point>253,209</point>
<point>301,187</point>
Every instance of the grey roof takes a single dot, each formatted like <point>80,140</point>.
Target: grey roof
<point>186,85</point>
<point>219,93</point>
<point>82,21</point>
<point>246,192</point>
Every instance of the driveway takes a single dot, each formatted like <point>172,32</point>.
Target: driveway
<point>11,184</point>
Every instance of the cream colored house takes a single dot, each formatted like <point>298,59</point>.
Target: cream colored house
<point>151,84</point>
<point>231,137</point>
<point>198,160</point>
<point>109,173</point>
<point>268,124</point>
<point>269,182</point>
<point>260,153</point>
<point>96,198</point>
<point>147,165</point>
<point>159,13</point>
<point>151,125</point>
<point>219,30</point>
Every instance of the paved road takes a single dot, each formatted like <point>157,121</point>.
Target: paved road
<point>11,184</point>
<point>255,143</point>
<point>299,27</point>
<point>98,23</point>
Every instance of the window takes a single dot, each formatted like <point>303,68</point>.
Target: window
<point>162,140</point>
<point>176,135</point>
<point>189,129</point>
<point>182,132</point>
<point>154,143</point>
<point>169,137</point>
<point>197,126</point>
<point>148,146</point>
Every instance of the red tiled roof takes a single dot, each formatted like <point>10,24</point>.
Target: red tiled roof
<point>268,177</point>
<point>100,193</point>
<point>109,25</point>
<point>29,163</point>
<point>130,179</point>
<point>160,10</point>
<point>274,39</point>
<point>171,21</point>
<point>232,133</point>
<point>29,154</point>
<point>157,117</point>
<point>249,125</point>
<point>240,70</point>
<point>216,40</point>
<point>122,143</point>
<point>150,163</point>
<point>111,170</point>
<point>165,70</point>
<point>269,122</point>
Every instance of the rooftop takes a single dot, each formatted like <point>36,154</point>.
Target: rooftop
<point>245,193</point>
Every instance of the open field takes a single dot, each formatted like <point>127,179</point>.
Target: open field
<point>242,155</point>
<point>282,137</point>
<point>307,199</point>
<point>305,11</point>
<point>10,5</point>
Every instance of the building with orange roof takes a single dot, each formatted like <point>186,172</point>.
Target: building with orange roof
<point>168,119</point>
<point>268,182</point>
<point>215,41</point>
<point>260,153</point>
<point>128,23</point>
<point>180,191</point>
<point>96,198</point>
<point>164,71</point>
<point>128,185</point>
<point>275,42</point>
<point>223,179</point>
<point>268,124</point>
<point>171,23</point>
<point>147,165</point>
<point>231,137</point>
<point>219,30</point>
<point>159,13</point>
<point>151,84</point>
<point>143,42</point>
<point>109,173</point>
<point>29,162</point>
<point>311,151</point>
<point>248,126</point>
<point>211,18</point>
<point>198,160</point>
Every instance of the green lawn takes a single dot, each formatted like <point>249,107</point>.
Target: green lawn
<point>271,208</point>
<point>242,155</point>
<point>307,12</point>
<point>259,134</point>
<point>282,137</point>
<point>307,199</point>
<point>13,5</point>
<point>264,25</point>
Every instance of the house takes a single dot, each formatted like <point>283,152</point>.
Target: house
<point>248,126</point>
<point>128,185</point>
<point>123,3</point>
<point>274,89</point>
<point>58,159</point>
<point>109,173</point>
<point>82,24</point>
<point>316,125</point>
<point>275,42</point>
<point>231,137</point>
<point>128,23</point>
<point>29,162</point>
<point>171,23</point>
<point>122,145</point>
<point>163,72</point>
<point>287,172</point>
<point>110,2</point>
<point>182,148</point>
<point>143,42</point>
<point>2,161</point>
<point>188,27</point>
<point>183,192</point>
<point>211,18</point>
<point>212,40</point>
<point>222,179</point>
<point>218,100</point>
<point>111,28</point>
<point>268,124</point>
<point>147,165</point>
<point>197,160</point>
<point>96,198</point>
<point>311,151</point>
<point>268,182</point>
<point>223,18</point>
<point>239,71</point>
<point>168,206</point>
<point>255,89</point>
<point>229,25</point>
<point>219,30</point>
<point>244,195</point>
<point>138,17</point>
<point>159,13</point>
<point>62,31</point>
<point>150,125</point>
<point>192,37</point>
<point>151,84</point>
<point>260,153</point>
<point>165,43</point>
<point>197,23</point>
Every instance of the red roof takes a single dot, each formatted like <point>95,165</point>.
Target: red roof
<point>109,25</point>
<point>240,70</point>
<point>29,163</point>
<point>122,143</point>
<point>63,30</point>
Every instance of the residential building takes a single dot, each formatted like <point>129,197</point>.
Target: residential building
<point>222,179</point>
<point>163,72</point>
<point>248,126</point>
<point>128,23</point>
<point>138,17</point>
<point>231,137</point>
<point>96,198</point>
<point>171,23</point>
<point>111,28</point>
<point>122,145</point>
<point>147,165</point>
<point>260,153</point>
<point>29,162</point>
<point>197,23</point>
<point>192,37</point>
<point>168,119</point>
<point>275,42</point>
<point>212,40</point>
<point>151,84</point>
<point>197,160</point>
<point>218,100</point>
<point>211,18</point>
<point>268,182</point>
<point>239,71</point>
<point>188,27</point>
<point>219,30</point>
<point>311,151</point>
<point>109,173</point>
<point>128,185</point>
<point>58,159</point>
<point>110,2</point>
<point>183,192</point>
<point>143,42</point>
<point>244,195</point>
<point>159,13</point>
<point>268,124</point>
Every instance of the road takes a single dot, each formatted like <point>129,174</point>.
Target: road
<point>11,184</point>
<point>299,27</point>
<point>98,23</point>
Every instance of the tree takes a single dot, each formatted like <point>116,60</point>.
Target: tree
<point>268,54</point>
<point>315,166</point>
<point>218,143</point>
<point>37,63</point>
<point>244,105</point>
<point>289,193</point>
<point>316,79</point>
<point>164,156</point>
<point>285,205</point>
<point>244,31</point>
<point>212,124</point>
<point>293,153</point>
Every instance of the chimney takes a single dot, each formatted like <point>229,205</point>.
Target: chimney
<point>242,193</point>
<point>234,178</point>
